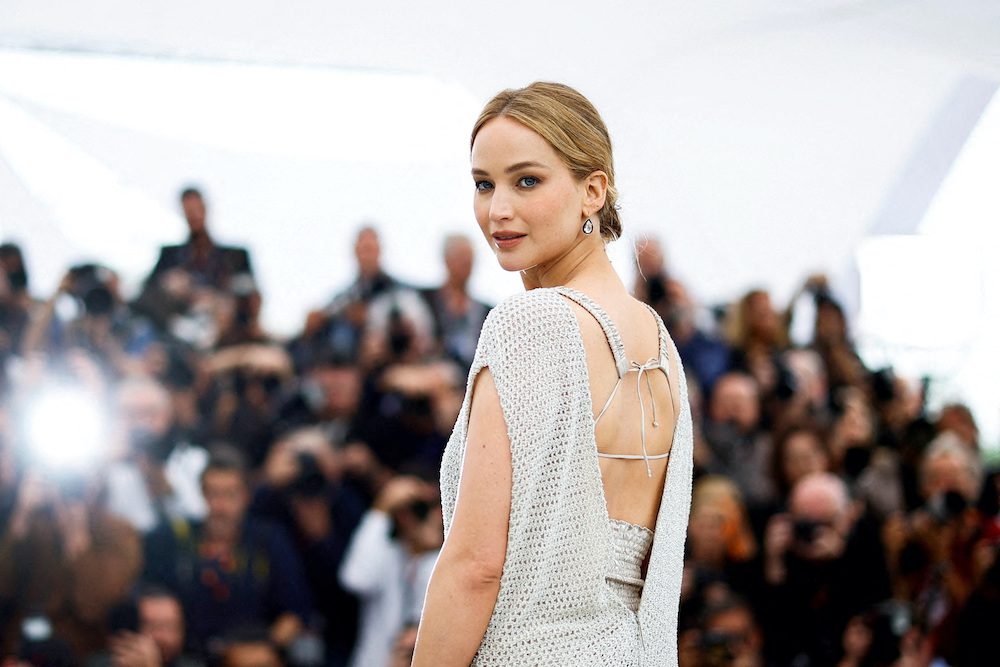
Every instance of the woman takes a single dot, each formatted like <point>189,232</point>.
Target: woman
<point>564,530</point>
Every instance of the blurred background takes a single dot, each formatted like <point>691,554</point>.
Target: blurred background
<point>243,217</point>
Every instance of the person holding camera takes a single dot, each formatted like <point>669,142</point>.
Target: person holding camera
<point>942,550</point>
<point>303,490</point>
<point>101,323</point>
<point>156,480</point>
<point>339,326</point>
<point>16,304</point>
<point>185,273</point>
<point>389,562</point>
<point>728,634</point>
<point>64,564</point>
<point>822,565</point>
<point>738,443</point>
<point>458,317</point>
<point>147,631</point>
<point>240,392</point>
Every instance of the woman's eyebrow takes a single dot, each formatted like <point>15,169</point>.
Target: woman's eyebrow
<point>512,168</point>
<point>523,165</point>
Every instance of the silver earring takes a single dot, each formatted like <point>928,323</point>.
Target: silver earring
<point>588,227</point>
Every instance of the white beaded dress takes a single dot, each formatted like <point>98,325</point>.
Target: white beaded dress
<point>572,591</point>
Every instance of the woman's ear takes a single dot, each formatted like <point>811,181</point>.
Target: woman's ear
<point>595,190</point>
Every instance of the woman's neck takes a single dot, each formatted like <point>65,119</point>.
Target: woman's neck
<point>585,266</point>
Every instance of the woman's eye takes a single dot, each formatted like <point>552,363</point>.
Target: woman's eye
<point>483,186</point>
<point>527,181</point>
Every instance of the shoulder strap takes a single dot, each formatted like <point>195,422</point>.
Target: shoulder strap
<point>664,345</point>
<point>610,332</point>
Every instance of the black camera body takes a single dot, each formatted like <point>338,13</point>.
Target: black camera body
<point>947,506</point>
<point>91,286</point>
<point>310,482</point>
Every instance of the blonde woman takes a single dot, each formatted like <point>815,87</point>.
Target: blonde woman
<point>566,483</point>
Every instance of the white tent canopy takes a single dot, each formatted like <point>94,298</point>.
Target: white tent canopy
<point>762,141</point>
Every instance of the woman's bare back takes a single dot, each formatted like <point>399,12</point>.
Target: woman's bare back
<point>632,492</point>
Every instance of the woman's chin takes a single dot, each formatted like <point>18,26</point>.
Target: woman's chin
<point>511,264</point>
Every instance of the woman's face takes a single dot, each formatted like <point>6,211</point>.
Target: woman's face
<point>803,455</point>
<point>528,204</point>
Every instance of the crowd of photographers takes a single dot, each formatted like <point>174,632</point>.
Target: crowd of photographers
<point>256,502</point>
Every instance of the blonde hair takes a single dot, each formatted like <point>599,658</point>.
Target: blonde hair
<point>723,494</point>
<point>571,125</point>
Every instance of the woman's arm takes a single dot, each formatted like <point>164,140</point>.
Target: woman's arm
<point>463,589</point>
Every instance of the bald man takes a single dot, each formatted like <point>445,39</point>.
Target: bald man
<point>458,317</point>
<point>823,564</point>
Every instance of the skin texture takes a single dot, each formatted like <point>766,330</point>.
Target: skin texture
<point>194,213</point>
<point>162,620</point>
<point>522,187</point>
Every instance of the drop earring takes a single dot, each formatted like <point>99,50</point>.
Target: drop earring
<point>588,227</point>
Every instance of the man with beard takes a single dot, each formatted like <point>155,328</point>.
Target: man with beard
<point>184,271</point>
<point>233,570</point>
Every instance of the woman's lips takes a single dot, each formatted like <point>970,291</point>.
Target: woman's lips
<point>507,240</point>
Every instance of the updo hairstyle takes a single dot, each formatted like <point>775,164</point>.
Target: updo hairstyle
<point>570,123</point>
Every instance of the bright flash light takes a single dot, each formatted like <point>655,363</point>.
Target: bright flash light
<point>65,428</point>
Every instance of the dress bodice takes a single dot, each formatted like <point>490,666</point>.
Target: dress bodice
<point>630,546</point>
<point>578,587</point>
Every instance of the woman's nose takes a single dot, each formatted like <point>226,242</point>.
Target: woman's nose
<point>501,207</point>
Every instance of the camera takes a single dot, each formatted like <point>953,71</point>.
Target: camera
<point>805,530</point>
<point>38,645</point>
<point>310,482</point>
<point>717,648</point>
<point>146,443</point>
<point>946,506</point>
<point>243,289</point>
<point>91,286</point>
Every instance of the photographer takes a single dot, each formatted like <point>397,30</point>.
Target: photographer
<point>720,544</point>
<point>830,334</point>
<point>822,565</point>
<point>102,324</point>
<point>156,478</point>
<point>338,328</point>
<point>303,491</point>
<point>239,314</point>
<point>739,445</point>
<point>757,336</point>
<point>408,403</point>
<point>458,317</point>
<point>729,635</point>
<point>885,635</point>
<point>148,631</point>
<point>938,551</point>
<point>64,563</point>
<point>186,276</point>
<point>389,563</point>
<point>239,396</point>
<point>16,304</point>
